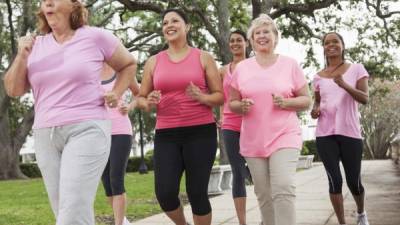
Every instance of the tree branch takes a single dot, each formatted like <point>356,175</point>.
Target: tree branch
<point>302,24</point>
<point>12,30</point>
<point>306,9</point>
<point>142,5</point>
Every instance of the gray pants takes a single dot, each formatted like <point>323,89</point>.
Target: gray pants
<point>71,159</point>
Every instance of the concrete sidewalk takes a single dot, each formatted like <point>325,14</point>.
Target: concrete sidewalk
<point>381,180</point>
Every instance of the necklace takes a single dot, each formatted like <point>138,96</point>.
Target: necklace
<point>337,67</point>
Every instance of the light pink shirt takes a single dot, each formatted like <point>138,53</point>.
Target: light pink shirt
<point>266,128</point>
<point>120,124</point>
<point>176,108</point>
<point>230,121</point>
<point>65,78</point>
<point>339,111</point>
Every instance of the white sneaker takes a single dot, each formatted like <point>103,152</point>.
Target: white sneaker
<point>126,222</point>
<point>362,219</point>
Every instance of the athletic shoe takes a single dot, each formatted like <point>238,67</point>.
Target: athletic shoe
<point>362,219</point>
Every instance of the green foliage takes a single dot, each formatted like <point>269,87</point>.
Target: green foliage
<point>30,170</point>
<point>310,148</point>
<point>134,163</point>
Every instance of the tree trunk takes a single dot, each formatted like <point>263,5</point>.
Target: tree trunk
<point>9,168</point>
<point>224,30</point>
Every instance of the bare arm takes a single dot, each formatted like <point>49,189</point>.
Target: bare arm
<point>237,104</point>
<point>15,79</point>
<point>125,66</point>
<point>359,93</point>
<point>148,97</point>
<point>315,112</point>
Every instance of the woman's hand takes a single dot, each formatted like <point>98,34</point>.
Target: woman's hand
<point>245,105</point>
<point>280,101</point>
<point>111,99</point>
<point>315,112</point>
<point>194,92</point>
<point>25,45</point>
<point>153,98</point>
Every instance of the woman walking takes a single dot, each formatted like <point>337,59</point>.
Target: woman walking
<point>338,89</point>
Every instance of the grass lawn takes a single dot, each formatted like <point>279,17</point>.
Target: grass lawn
<point>24,202</point>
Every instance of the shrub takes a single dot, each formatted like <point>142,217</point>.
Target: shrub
<point>311,146</point>
<point>30,170</point>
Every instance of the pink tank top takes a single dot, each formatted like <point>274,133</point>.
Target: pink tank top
<point>231,121</point>
<point>121,124</point>
<point>176,108</point>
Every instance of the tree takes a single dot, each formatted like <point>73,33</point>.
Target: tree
<point>301,20</point>
<point>380,118</point>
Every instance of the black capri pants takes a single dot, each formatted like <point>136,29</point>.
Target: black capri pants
<point>335,148</point>
<point>114,173</point>
<point>238,163</point>
<point>191,149</point>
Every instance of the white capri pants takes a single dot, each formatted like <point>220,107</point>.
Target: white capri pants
<point>274,186</point>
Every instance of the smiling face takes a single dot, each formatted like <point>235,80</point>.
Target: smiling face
<point>237,44</point>
<point>264,39</point>
<point>174,27</point>
<point>333,45</point>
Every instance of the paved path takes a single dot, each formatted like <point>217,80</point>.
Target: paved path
<point>381,180</point>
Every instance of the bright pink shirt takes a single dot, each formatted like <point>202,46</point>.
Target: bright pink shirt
<point>120,124</point>
<point>339,111</point>
<point>176,108</point>
<point>230,121</point>
<point>65,78</point>
<point>266,128</point>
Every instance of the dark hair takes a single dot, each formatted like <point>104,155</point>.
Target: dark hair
<point>177,11</point>
<point>243,34</point>
<point>240,32</point>
<point>341,40</point>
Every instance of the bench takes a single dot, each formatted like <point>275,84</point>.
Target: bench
<point>305,161</point>
<point>220,179</point>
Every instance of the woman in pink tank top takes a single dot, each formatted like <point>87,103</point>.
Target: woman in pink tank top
<point>231,123</point>
<point>113,177</point>
<point>339,87</point>
<point>183,84</point>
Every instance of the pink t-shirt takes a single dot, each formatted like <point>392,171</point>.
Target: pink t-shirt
<point>231,121</point>
<point>65,78</point>
<point>267,128</point>
<point>120,124</point>
<point>339,111</point>
<point>176,108</point>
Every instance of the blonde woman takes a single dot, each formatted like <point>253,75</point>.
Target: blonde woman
<point>268,89</point>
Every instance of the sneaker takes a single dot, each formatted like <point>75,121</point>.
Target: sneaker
<point>126,222</point>
<point>362,219</point>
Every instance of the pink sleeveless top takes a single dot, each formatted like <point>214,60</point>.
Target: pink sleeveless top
<point>231,121</point>
<point>176,108</point>
<point>120,123</point>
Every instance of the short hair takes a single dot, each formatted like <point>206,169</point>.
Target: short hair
<point>262,19</point>
<point>77,19</point>
<point>177,11</point>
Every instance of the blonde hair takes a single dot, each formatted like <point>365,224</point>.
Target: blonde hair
<point>262,19</point>
<point>77,19</point>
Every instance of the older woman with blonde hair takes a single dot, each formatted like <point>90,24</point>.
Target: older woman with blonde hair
<point>268,89</point>
<point>71,129</point>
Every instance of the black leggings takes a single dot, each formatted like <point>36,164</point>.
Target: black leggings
<point>238,163</point>
<point>190,149</point>
<point>334,148</point>
<point>114,173</point>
